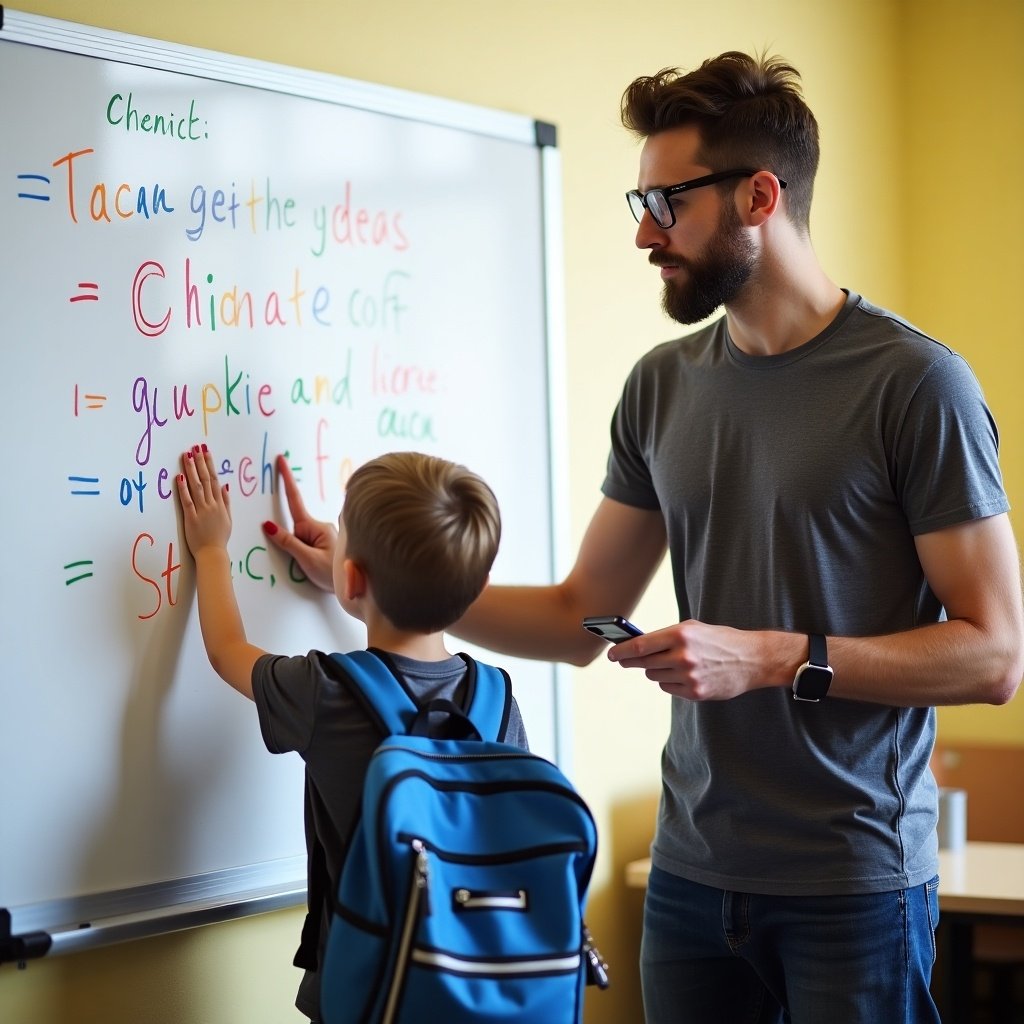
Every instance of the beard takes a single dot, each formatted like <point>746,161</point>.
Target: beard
<point>712,279</point>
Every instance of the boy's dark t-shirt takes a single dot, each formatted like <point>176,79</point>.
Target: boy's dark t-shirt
<point>305,706</point>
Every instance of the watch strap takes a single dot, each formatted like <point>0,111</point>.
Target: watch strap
<point>813,678</point>
<point>817,650</point>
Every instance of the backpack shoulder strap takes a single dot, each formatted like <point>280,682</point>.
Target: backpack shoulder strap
<point>377,686</point>
<point>488,701</point>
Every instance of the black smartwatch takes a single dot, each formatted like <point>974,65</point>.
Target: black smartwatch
<point>814,676</point>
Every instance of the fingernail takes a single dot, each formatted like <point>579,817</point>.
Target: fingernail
<point>205,449</point>
<point>270,527</point>
<point>190,455</point>
<point>181,478</point>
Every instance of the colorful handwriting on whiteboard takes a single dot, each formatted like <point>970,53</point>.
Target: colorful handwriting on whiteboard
<point>200,305</point>
<point>237,394</point>
<point>158,568</point>
<point>314,278</point>
<point>160,573</point>
<point>261,209</point>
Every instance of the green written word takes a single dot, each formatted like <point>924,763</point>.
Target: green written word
<point>125,112</point>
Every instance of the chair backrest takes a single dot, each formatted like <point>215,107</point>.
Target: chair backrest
<point>993,777</point>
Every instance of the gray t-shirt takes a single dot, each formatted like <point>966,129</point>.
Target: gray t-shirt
<point>792,488</point>
<point>304,705</point>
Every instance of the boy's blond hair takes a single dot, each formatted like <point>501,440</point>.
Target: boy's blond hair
<point>425,531</point>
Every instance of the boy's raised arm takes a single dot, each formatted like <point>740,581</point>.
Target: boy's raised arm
<point>206,514</point>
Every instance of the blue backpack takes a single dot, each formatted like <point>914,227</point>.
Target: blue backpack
<point>462,893</point>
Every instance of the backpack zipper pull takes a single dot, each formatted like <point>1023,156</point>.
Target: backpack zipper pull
<point>597,967</point>
<point>422,875</point>
<point>417,901</point>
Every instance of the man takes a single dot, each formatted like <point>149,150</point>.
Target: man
<point>825,479</point>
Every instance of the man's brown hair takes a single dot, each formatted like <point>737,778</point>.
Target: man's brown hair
<point>425,531</point>
<point>750,112</point>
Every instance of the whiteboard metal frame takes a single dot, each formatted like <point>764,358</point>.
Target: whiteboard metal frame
<point>138,912</point>
<point>141,911</point>
<point>558,430</point>
<point>71,37</point>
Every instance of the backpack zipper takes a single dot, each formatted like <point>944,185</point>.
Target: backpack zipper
<point>417,892</point>
<point>500,857</point>
<point>433,755</point>
<point>466,899</point>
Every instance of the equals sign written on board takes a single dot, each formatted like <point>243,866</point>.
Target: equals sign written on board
<point>90,292</point>
<point>73,567</point>
<point>29,179</point>
<point>90,401</point>
<point>84,485</point>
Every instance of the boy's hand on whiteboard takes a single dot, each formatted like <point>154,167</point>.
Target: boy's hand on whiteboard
<point>313,541</point>
<point>206,510</point>
<point>206,515</point>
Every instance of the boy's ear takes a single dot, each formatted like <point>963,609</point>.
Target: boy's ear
<point>355,580</point>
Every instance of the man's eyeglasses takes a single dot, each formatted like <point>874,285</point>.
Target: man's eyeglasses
<point>658,200</point>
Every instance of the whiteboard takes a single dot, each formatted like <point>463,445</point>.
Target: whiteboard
<point>204,249</point>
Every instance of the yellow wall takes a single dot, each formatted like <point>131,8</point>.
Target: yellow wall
<point>894,218</point>
<point>964,144</point>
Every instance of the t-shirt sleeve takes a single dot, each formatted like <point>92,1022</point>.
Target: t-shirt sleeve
<point>628,479</point>
<point>516,731</point>
<point>286,692</point>
<point>947,453</point>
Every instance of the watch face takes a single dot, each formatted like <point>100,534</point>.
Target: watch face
<point>813,682</point>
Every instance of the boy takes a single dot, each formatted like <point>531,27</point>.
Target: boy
<point>417,537</point>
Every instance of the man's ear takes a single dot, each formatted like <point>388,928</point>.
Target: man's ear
<point>355,580</point>
<point>764,198</point>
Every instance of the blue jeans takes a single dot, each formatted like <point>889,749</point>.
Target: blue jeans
<point>710,956</point>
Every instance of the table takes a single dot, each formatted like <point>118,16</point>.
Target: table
<point>981,882</point>
<point>982,878</point>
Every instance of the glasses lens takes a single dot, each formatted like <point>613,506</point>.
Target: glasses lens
<point>661,209</point>
<point>636,205</point>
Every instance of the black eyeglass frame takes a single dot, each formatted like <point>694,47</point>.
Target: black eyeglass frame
<point>683,186</point>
